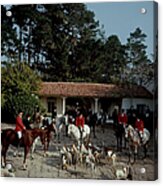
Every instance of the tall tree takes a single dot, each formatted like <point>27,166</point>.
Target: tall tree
<point>139,66</point>
<point>115,60</point>
<point>66,28</point>
<point>24,19</point>
<point>8,36</point>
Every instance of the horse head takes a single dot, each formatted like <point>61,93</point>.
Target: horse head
<point>129,131</point>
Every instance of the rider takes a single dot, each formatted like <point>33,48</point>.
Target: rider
<point>19,124</point>
<point>139,126</point>
<point>80,121</point>
<point>19,128</point>
<point>122,118</point>
<point>27,122</point>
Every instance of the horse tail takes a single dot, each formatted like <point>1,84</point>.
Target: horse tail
<point>2,136</point>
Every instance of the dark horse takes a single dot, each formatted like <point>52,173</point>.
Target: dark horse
<point>120,136</point>
<point>47,136</point>
<point>10,137</point>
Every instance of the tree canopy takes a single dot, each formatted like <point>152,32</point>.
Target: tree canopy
<point>19,89</point>
<point>64,42</point>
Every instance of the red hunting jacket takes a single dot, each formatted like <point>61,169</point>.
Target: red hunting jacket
<point>19,124</point>
<point>80,121</point>
<point>139,124</point>
<point>122,119</point>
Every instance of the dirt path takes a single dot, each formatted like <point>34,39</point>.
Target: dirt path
<point>49,167</point>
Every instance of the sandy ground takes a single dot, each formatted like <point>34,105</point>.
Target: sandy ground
<point>49,166</point>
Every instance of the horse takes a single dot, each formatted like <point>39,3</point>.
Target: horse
<point>10,137</point>
<point>47,137</point>
<point>120,136</point>
<point>135,141</point>
<point>74,131</point>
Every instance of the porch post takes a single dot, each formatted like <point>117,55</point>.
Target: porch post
<point>63,105</point>
<point>96,105</point>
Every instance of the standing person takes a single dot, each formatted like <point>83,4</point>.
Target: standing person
<point>122,121</point>
<point>80,121</point>
<point>115,116</point>
<point>54,113</point>
<point>45,121</point>
<point>37,118</point>
<point>26,122</point>
<point>92,122</point>
<point>147,119</point>
<point>139,126</point>
<point>19,124</point>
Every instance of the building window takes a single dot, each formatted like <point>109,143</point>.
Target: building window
<point>51,106</point>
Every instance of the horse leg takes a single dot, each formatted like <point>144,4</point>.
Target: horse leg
<point>117,143</point>
<point>34,147</point>
<point>46,145</point>
<point>124,139</point>
<point>4,151</point>
<point>120,148</point>
<point>129,154</point>
<point>59,137</point>
<point>66,130</point>
<point>94,135</point>
<point>145,151</point>
<point>135,154</point>
<point>26,151</point>
<point>103,129</point>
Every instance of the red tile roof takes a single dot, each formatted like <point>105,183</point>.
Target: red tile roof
<point>70,89</point>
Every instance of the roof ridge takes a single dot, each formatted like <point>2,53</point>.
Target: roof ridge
<point>84,83</point>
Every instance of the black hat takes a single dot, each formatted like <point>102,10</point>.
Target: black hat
<point>19,111</point>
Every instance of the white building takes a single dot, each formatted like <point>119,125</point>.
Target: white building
<point>94,96</point>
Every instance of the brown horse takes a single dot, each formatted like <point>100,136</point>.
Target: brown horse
<point>48,130</point>
<point>10,137</point>
<point>46,137</point>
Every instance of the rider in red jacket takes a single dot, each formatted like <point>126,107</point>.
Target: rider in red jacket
<point>19,124</point>
<point>122,118</point>
<point>80,121</point>
<point>139,126</point>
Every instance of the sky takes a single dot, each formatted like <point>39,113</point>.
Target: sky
<point>122,18</point>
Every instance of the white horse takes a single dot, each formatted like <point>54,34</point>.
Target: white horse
<point>74,131</point>
<point>135,141</point>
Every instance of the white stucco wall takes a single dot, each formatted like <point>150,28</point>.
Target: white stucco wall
<point>59,106</point>
<point>44,102</point>
<point>128,102</point>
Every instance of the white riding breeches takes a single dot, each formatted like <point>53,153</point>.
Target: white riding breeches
<point>19,134</point>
